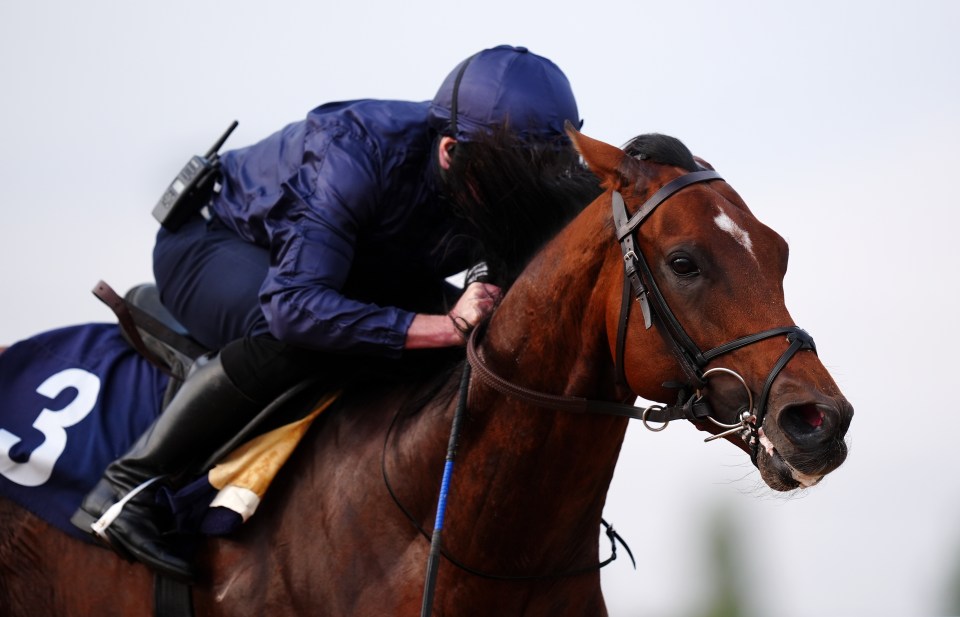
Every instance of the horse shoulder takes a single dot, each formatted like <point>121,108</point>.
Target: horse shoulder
<point>328,518</point>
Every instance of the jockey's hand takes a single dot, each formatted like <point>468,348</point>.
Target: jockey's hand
<point>478,301</point>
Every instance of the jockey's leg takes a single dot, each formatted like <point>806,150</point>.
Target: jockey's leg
<point>206,411</point>
<point>209,278</point>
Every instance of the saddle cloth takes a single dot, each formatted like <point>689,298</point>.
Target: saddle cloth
<point>74,399</point>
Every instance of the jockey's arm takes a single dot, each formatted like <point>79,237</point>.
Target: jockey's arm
<point>430,331</point>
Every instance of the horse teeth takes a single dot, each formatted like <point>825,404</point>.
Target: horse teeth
<point>803,479</point>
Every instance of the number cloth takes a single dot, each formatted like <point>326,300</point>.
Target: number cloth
<point>71,401</point>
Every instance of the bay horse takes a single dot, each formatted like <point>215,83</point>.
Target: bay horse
<point>341,532</point>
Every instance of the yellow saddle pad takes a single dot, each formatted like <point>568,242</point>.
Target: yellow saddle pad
<point>244,476</point>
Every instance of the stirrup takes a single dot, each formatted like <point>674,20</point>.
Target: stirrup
<point>99,527</point>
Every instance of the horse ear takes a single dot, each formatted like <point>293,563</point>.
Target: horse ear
<point>603,159</point>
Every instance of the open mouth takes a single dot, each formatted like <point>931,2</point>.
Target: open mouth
<point>777,472</point>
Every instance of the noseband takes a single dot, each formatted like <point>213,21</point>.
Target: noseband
<point>639,278</point>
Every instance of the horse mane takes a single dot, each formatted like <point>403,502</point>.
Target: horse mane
<point>510,199</point>
<point>661,149</point>
<point>514,197</point>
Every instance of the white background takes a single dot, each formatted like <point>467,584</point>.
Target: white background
<point>836,121</point>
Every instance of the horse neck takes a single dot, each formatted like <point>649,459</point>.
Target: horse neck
<point>538,478</point>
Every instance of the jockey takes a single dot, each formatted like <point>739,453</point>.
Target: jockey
<point>329,240</point>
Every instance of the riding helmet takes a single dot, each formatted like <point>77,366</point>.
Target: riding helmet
<point>504,86</point>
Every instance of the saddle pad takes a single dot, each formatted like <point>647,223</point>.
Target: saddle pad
<point>71,401</point>
<point>219,502</point>
<point>75,399</point>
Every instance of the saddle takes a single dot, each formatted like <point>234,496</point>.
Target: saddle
<point>149,327</point>
<point>155,334</point>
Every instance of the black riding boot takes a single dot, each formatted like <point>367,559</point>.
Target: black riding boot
<point>208,410</point>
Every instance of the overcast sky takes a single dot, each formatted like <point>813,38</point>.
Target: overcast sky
<point>836,121</point>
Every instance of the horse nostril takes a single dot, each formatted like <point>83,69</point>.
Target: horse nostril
<point>812,415</point>
<point>800,421</point>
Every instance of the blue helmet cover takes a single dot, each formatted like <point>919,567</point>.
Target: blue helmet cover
<point>505,86</point>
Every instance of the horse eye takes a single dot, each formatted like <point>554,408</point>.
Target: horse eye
<point>684,266</point>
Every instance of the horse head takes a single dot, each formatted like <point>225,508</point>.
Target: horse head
<point>706,313</point>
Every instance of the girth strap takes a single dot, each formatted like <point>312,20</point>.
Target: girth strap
<point>171,598</point>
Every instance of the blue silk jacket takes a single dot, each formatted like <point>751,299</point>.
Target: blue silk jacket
<point>347,201</point>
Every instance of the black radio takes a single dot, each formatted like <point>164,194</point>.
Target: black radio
<point>191,189</point>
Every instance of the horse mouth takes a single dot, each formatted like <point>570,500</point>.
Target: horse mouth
<point>777,472</point>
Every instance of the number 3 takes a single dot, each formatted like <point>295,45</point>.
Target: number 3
<point>51,423</point>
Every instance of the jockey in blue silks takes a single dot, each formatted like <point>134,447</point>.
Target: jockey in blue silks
<point>329,240</point>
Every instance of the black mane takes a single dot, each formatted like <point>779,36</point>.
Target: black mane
<point>661,149</point>
<point>515,197</point>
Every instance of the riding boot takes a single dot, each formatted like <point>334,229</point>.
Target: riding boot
<point>207,411</point>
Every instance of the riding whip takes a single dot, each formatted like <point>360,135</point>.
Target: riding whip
<point>433,561</point>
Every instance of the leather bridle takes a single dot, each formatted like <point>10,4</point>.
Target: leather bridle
<point>639,279</point>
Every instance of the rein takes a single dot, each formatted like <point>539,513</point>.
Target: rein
<point>692,409</point>
<point>434,538</point>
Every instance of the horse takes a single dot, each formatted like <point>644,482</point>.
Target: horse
<point>618,304</point>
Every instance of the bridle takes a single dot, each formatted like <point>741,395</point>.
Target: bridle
<point>639,279</point>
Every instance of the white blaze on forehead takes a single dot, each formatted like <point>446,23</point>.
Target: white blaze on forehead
<point>726,224</point>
